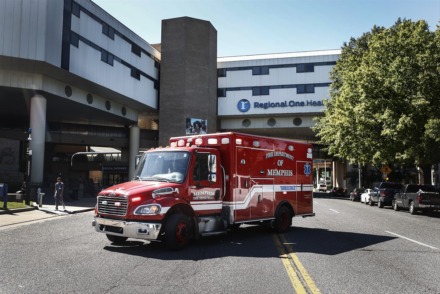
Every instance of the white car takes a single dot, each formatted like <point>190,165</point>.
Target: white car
<point>322,188</point>
<point>365,197</point>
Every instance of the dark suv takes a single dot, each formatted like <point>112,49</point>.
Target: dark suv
<point>384,194</point>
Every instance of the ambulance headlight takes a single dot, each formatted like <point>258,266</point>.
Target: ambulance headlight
<point>148,209</point>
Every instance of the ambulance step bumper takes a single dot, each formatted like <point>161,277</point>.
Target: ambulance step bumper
<point>136,230</point>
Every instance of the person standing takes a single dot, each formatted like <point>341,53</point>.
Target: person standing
<point>59,189</point>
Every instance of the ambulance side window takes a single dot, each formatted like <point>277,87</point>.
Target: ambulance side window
<point>212,168</point>
<point>201,166</point>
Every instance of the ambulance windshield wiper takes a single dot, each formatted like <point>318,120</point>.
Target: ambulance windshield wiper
<point>160,179</point>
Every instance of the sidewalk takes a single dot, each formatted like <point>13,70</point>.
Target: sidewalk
<point>17,216</point>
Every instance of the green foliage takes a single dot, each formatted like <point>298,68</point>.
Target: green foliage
<point>13,205</point>
<point>385,98</point>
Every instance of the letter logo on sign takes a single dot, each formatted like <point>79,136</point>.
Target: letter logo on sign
<point>243,105</point>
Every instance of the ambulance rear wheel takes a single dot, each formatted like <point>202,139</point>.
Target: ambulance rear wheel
<point>116,239</point>
<point>283,220</point>
<point>177,232</point>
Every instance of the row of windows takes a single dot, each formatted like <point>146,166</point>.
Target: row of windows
<point>109,58</point>
<point>300,68</point>
<point>271,122</point>
<point>264,70</point>
<point>264,90</point>
<point>110,31</point>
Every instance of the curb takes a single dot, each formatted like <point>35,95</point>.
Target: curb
<point>12,211</point>
<point>59,212</point>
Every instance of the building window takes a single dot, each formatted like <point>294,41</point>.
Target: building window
<point>303,89</point>
<point>136,49</point>
<point>271,122</point>
<point>107,57</point>
<point>297,121</point>
<point>74,39</point>
<point>260,70</point>
<point>221,92</point>
<point>108,31</point>
<point>75,9</point>
<point>258,91</point>
<point>135,73</point>
<point>221,72</point>
<point>89,98</point>
<point>305,67</point>
<point>68,91</point>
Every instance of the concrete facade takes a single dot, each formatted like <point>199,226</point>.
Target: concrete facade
<point>274,94</point>
<point>80,78</point>
<point>188,78</point>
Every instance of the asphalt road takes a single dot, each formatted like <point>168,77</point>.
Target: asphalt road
<point>347,247</point>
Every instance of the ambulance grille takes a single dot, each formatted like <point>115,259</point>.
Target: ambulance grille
<point>112,205</point>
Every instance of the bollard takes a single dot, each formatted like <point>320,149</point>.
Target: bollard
<point>4,192</point>
<point>40,199</point>
<point>37,200</point>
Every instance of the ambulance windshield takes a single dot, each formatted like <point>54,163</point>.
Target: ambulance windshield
<point>166,166</point>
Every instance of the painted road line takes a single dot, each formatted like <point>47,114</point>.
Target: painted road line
<point>299,277</point>
<point>335,211</point>
<point>417,242</point>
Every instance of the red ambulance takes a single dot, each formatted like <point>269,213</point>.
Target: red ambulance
<point>204,185</point>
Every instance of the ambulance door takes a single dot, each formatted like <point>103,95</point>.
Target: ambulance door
<point>205,184</point>
<point>241,197</point>
<point>261,185</point>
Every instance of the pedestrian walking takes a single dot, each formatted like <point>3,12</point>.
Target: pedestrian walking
<point>58,195</point>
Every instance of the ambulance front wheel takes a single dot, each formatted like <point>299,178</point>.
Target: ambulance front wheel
<point>283,220</point>
<point>177,232</point>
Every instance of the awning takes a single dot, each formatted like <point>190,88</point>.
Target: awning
<point>104,149</point>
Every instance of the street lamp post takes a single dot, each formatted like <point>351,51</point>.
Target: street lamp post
<point>28,168</point>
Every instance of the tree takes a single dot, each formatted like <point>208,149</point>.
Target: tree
<point>385,98</point>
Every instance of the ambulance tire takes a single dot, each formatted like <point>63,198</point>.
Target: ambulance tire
<point>177,232</point>
<point>283,220</point>
<point>116,239</point>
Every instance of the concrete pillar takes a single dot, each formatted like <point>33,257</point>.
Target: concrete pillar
<point>339,171</point>
<point>188,76</point>
<point>37,144</point>
<point>133,150</point>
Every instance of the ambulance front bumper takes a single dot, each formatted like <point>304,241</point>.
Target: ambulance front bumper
<point>129,229</point>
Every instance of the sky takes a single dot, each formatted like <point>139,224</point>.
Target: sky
<point>250,27</point>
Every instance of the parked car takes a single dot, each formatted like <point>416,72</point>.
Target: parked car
<point>384,194</point>
<point>417,198</point>
<point>355,195</point>
<point>338,192</point>
<point>322,187</point>
<point>365,196</point>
